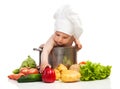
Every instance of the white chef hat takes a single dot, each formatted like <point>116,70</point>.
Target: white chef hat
<point>68,22</point>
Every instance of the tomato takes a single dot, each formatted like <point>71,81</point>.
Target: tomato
<point>33,71</point>
<point>82,62</point>
<point>24,70</point>
<point>27,70</point>
<point>48,75</point>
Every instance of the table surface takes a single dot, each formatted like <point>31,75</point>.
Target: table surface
<point>108,83</point>
<point>97,84</point>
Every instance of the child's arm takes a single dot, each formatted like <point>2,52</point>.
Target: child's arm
<point>45,53</point>
<point>78,45</point>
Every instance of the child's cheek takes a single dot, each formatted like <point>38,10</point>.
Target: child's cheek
<point>55,39</point>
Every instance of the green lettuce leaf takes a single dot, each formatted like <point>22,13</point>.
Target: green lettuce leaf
<point>94,71</point>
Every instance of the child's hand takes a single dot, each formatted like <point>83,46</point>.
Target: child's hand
<point>78,45</point>
<point>41,46</point>
<point>42,67</point>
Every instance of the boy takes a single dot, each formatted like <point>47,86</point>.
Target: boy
<point>67,31</point>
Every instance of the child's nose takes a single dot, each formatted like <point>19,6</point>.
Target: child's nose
<point>60,39</point>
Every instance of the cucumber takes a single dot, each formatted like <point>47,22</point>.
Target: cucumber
<point>30,78</point>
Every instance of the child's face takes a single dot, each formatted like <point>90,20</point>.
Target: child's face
<point>61,38</point>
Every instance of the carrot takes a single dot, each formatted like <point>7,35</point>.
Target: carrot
<point>15,76</point>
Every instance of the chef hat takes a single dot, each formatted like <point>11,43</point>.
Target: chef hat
<point>68,22</point>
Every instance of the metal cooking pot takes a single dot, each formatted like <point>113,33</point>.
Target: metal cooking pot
<point>58,55</point>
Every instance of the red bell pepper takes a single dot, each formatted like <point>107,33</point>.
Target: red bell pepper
<point>48,75</point>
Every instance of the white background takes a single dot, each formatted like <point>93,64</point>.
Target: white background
<point>25,24</point>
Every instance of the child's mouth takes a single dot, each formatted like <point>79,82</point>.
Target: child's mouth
<point>61,45</point>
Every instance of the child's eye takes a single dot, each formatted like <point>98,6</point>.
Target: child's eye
<point>64,37</point>
<point>57,35</point>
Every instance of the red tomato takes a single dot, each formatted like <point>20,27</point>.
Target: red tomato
<point>83,62</point>
<point>24,70</point>
<point>27,70</point>
<point>33,71</point>
<point>48,75</point>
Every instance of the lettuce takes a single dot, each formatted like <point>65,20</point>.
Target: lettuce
<point>94,71</point>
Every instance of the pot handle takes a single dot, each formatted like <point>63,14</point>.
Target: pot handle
<point>40,51</point>
<point>37,49</point>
